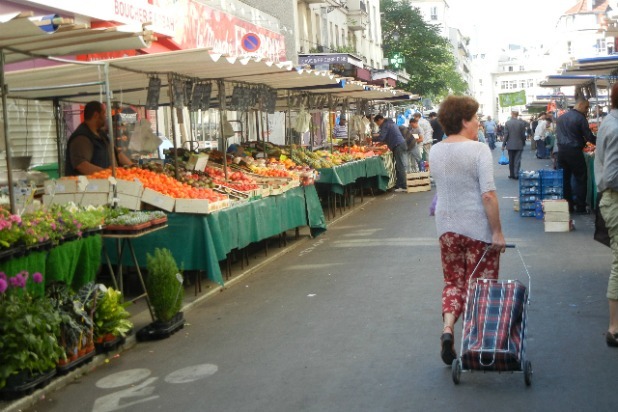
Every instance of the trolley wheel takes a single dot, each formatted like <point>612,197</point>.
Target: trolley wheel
<point>456,370</point>
<point>528,373</point>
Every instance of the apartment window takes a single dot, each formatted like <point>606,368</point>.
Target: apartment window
<point>522,68</point>
<point>530,82</point>
<point>601,46</point>
<point>504,85</point>
<point>336,36</point>
<point>433,12</point>
<point>480,82</point>
<point>510,68</point>
<point>569,48</point>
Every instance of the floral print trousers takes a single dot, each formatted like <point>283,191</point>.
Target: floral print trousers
<point>460,254</point>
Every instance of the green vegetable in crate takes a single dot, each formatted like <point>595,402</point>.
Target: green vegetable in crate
<point>111,315</point>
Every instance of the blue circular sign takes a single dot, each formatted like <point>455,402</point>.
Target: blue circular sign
<point>250,42</point>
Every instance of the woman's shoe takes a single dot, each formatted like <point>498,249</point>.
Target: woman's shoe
<point>448,353</point>
<point>611,339</point>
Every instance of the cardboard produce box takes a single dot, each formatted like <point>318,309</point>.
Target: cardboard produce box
<point>93,199</point>
<point>555,206</point>
<point>98,186</point>
<point>558,226</point>
<point>58,199</point>
<point>131,188</point>
<point>130,202</point>
<point>197,206</point>
<point>154,198</point>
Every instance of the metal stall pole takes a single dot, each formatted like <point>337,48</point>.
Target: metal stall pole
<point>330,126</point>
<point>221,87</point>
<point>110,123</point>
<point>7,147</point>
<point>288,122</point>
<point>57,118</point>
<point>170,81</point>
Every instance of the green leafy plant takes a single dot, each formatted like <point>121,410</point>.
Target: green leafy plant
<point>75,310</point>
<point>29,328</point>
<point>164,289</point>
<point>10,228</point>
<point>111,315</point>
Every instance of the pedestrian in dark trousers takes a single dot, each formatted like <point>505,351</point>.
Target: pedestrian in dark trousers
<point>490,132</point>
<point>390,134</point>
<point>573,133</point>
<point>514,142</point>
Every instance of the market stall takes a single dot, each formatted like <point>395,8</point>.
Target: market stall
<point>212,237</point>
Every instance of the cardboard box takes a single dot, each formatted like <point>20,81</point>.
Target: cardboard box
<point>198,206</point>
<point>559,226</point>
<point>58,199</point>
<point>557,217</point>
<point>94,199</point>
<point>159,200</point>
<point>197,162</point>
<point>221,204</point>
<point>126,187</point>
<point>61,186</point>
<point>98,186</point>
<point>130,202</point>
<point>555,205</point>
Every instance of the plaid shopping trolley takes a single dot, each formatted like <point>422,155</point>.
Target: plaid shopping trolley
<point>494,328</point>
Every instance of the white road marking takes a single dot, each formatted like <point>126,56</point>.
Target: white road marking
<point>124,378</point>
<point>192,373</point>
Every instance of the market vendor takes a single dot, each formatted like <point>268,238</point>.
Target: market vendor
<point>88,148</point>
<point>391,136</point>
<point>236,150</point>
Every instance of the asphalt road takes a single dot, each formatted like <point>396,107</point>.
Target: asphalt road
<point>350,321</point>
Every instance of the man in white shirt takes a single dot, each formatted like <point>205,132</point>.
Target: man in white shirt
<point>540,133</point>
<point>425,126</point>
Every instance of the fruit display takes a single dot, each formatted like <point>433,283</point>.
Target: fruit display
<point>161,183</point>
<point>237,180</point>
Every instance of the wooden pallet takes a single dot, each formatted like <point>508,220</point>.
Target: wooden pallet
<point>418,182</point>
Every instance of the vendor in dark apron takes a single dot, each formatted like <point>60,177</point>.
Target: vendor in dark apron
<point>88,148</point>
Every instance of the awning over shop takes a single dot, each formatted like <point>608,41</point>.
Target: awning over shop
<point>604,65</point>
<point>575,80</point>
<point>21,37</point>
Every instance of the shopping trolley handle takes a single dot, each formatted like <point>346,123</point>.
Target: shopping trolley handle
<point>510,246</point>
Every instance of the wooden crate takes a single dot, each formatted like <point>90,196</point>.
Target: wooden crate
<point>418,182</point>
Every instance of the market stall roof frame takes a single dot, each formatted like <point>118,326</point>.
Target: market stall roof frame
<point>575,80</point>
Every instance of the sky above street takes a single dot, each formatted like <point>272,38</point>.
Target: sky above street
<point>500,22</point>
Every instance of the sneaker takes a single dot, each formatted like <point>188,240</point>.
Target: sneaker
<point>400,190</point>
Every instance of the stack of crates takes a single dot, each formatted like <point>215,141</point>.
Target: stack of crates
<point>552,184</point>
<point>529,192</point>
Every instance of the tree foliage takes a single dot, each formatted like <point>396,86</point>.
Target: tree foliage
<point>428,57</point>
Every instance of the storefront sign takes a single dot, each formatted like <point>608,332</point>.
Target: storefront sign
<point>512,99</point>
<point>330,58</point>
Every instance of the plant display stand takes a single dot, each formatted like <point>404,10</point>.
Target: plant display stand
<point>69,366</point>
<point>161,330</point>
<point>111,344</point>
<point>122,242</point>
<point>23,384</point>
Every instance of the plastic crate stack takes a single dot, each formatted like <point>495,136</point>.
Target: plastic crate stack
<point>552,184</point>
<point>529,192</point>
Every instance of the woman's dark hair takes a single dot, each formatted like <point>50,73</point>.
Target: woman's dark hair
<point>454,110</point>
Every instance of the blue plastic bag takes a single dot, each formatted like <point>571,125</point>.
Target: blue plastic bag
<point>503,159</point>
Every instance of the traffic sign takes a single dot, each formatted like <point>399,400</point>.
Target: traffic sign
<point>250,42</point>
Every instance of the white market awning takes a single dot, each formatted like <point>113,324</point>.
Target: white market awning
<point>22,37</point>
<point>129,78</point>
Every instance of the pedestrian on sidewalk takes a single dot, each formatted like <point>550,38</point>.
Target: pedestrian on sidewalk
<point>413,144</point>
<point>467,214</point>
<point>606,176</point>
<point>541,135</point>
<point>427,134</point>
<point>438,133</point>
<point>514,142</point>
<point>490,132</point>
<point>573,132</point>
<point>391,136</point>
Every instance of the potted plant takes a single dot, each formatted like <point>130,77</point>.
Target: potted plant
<point>29,327</point>
<point>166,292</point>
<point>111,319</point>
<point>129,222</point>
<point>10,233</point>
<point>76,326</point>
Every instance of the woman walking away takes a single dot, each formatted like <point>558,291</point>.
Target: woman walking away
<point>467,214</point>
